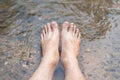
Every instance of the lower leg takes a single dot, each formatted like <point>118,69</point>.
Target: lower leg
<point>72,69</point>
<point>70,47</point>
<point>45,70</point>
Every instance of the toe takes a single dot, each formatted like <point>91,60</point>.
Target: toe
<point>54,26</point>
<point>79,36</point>
<point>74,28</point>
<point>45,28</point>
<point>43,32</point>
<point>71,27</point>
<point>49,29</point>
<point>41,38</point>
<point>77,33</point>
<point>65,26</point>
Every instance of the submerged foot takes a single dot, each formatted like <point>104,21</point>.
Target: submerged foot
<point>70,37</point>
<point>50,41</point>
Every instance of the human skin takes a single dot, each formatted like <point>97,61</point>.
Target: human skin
<point>70,38</point>
<point>49,37</point>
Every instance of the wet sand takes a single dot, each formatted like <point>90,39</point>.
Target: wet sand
<point>21,23</point>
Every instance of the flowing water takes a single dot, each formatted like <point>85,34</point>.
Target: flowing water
<point>21,22</point>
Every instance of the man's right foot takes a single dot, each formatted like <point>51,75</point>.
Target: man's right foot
<point>49,42</point>
<point>70,37</point>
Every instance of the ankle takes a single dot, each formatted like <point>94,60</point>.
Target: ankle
<point>50,60</point>
<point>69,61</point>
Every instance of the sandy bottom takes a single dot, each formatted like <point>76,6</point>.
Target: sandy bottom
<point>21,24</point>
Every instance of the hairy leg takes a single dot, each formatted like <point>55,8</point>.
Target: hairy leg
<point>49,42</point>
<point>70,37</point>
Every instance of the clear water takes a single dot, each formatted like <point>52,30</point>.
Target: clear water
<point>21,22</point>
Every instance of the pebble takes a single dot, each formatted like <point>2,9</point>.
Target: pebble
<point>86,62</point>
<point>2,69</point>
<point>6,63</point>
<point>24,34</point>
<point>25,66</point>
<point>88,50</point>
<point>106,74</point>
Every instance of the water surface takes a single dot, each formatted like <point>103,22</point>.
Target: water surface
<point>21,22</point>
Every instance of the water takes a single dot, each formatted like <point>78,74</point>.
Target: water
<point>21,22</point>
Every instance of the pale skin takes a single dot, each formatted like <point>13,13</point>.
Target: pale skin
<point>70,37</point>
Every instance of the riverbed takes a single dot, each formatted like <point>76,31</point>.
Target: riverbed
<point>21,22</point>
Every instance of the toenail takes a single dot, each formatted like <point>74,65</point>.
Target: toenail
<point>72,23</point>
<point>66,23</point>
<point>53,22</point>
<point>48,23</point>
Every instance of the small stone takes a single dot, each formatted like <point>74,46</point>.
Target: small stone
<point>6,63</point>
<point>1,69</point>
<point>40,18</point>
<point>25,66</point>
<point>29,24</point>
<point>112,70</point>
<point>32,12</point>
<point>89,74</point>
<point>106,74</point>
<point>24,34</point>
<point>86,62</point>
<point>24,71</point>
<point>88,50</point>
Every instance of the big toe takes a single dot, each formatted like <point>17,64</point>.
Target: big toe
<point>54,26</point>
<point>65,26</point>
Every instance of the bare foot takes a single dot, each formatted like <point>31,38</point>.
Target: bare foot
<point>70,42</point>
<point>49,42</point>
<point>70,47</point>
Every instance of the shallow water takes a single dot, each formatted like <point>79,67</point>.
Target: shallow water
<point>21,22</point>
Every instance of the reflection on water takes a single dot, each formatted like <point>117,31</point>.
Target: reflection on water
<point>7,11</point>
<point>21,22</point>
<point>92,15</point>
